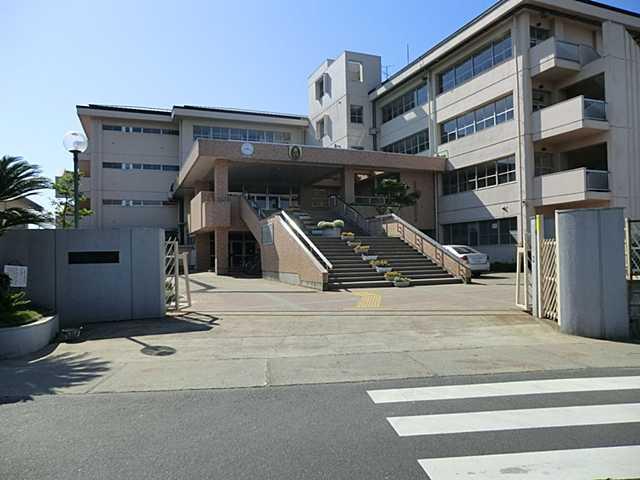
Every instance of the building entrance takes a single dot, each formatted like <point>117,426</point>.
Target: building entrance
<point>244,254</point>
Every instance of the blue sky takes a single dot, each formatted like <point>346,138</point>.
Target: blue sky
<point>244,54</point>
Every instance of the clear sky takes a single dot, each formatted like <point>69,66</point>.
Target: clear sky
<point>253,54</point>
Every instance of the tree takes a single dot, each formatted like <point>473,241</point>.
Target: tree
<point>64,205</point>
<point>396,195</point>
<point>19,180</point>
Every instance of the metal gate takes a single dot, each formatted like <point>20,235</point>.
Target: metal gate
<point>548,279</point>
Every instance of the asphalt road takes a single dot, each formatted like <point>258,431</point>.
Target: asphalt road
<point>331,431</point>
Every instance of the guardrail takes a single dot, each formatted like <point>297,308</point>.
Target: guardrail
<point>426,245</point>
<point>575,52</point>
<point>595,109</point>
<point>597,181</point>
<point>305,239</point>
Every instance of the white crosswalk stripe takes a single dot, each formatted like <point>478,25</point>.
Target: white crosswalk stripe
<point>585,463</point>
<point>451,392</point>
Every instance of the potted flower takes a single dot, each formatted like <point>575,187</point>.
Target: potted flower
<point>347,236</point>
<point>330,229</point>
<point>397,279</point>
<point>381,265</point>
<point>354,243</point>
<point>361,249</point>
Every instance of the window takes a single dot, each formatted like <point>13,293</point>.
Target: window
<point>487,174</point>
<point>357,113</point>
<point>504,109</point>
<point>357,148</point>
<point>538,35</point>
<point>112,128</point>
<point>151,166</point>
<point>137,203</point>
<point>152,130</point>
<point>320,88</point>
<point>140,166</point>
<point>129,129</point>
<point>117,165</point>
<point>169,131</point>
<point>416,143</point>
<point>543,163</point>
<point>492,54</point>
<point>354,71</point>
<point>503,231</point>
<point>541,99</point>
<point>320,128</point>
<point>487,116</point>
<point>416,97</point>
<point>170,168</point>
<point>241,134</point>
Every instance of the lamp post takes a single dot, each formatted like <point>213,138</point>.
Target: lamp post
<point>75,143</point>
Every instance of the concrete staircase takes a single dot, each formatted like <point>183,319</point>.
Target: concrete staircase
<point>350,271</point>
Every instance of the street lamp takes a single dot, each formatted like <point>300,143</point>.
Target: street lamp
<point>75,142</point>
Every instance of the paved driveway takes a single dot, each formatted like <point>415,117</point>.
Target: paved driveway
<point>243,333</point>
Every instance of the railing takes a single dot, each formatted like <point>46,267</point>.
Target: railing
<point>426,245</point>
<point>305,239</point>
<point>372,226</point>
<point>254,206</point>
<point>369,200</point>
<point>595,109</point>
<point>597,180</point>
<point>574,52</point>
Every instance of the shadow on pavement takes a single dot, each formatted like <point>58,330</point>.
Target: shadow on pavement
<point>178,323</point>
<point>20,382</point>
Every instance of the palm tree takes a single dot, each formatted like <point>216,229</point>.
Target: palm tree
<point>18,180</point>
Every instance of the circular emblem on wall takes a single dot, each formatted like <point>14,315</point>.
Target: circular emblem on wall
<point>247,149</point>
<point>295,152</point>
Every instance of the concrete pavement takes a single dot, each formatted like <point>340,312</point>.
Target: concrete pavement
<point>248,333</point>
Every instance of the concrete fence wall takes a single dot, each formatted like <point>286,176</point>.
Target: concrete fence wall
<point>88,276</point>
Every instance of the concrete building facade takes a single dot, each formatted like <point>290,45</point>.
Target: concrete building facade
<point>531,107</point>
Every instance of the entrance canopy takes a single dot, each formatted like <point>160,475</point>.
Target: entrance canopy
<point>308,163</point>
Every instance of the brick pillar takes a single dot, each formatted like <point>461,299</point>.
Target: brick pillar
<point>222,251</point>
<point>348,185</point>
<point>221,179</point>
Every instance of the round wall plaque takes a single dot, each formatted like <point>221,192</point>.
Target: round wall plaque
<point>247,149</point>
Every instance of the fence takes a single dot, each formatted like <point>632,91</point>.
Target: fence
<point>548,279</point>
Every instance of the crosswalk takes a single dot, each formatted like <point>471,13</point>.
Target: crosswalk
<point>616,462</point>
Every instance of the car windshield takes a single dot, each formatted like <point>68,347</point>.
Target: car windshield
<point>463,250</point>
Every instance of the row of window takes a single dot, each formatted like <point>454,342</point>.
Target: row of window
<point>242,134</point>
<point>483,175</point>
<point>141,166</point>
<point>492,54</point>
<point>416,97</point>
<point>127,129</point>
<point>502,231</point>
<point>138,203</point>
<point>484,117</point>
<point>416,143</point>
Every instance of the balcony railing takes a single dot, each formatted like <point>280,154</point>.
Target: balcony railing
<point>597,181</point>
<point>595,109</point>
<point>574,52</point>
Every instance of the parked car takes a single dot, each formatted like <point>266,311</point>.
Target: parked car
<point>478,262</point>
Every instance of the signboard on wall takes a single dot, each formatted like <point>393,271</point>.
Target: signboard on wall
<point>17,275</point>
<point>267,234</point>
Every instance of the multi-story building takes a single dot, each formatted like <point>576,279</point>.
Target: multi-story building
<point>531,107</point>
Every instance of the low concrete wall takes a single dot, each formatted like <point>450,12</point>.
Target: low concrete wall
<point>288,261</point>
<point>592,291</point>
<point>68,276</point>
<point>25,339</point>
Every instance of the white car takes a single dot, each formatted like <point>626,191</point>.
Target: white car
<point>477,262</point>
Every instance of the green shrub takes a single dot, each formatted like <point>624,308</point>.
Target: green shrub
<point>14,311</point>
<point>323,225</point>
<point>338,223</point>
<point>361,249</point>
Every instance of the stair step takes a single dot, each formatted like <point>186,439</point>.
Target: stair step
<point>384,283</point>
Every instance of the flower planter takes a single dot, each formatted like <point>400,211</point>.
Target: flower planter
<point>382,269</point>
<point>29,338</point>
<point>402,283</point>
<point>354,244</point>
<point>367,258</point>
<point>346,237</point>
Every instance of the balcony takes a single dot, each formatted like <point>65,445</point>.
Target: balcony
<point>571,119</point>
<point>554,59</point>
<point>569,186</point>
<point>209,212</point>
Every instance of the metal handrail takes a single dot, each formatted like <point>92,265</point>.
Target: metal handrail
<point>461,265</point>
<point>303,236</point>
<point>350,213</point>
